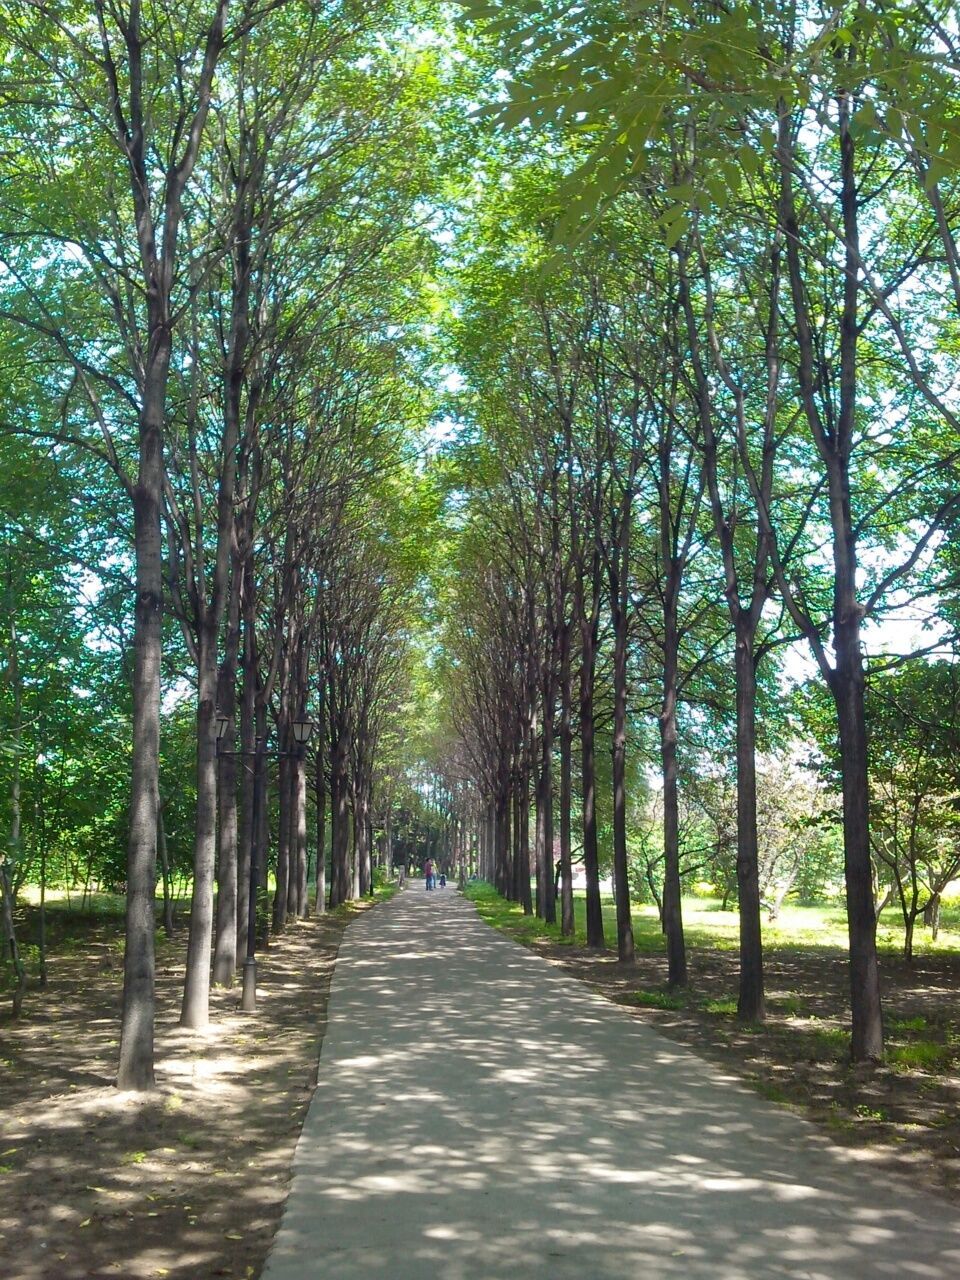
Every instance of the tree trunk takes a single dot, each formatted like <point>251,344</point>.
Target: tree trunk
<point>356,845</point>
<point>246,838</point>
<point>848,690</point>
<point>503,873</point>
<point>750,1003</point>
<point>339,819</point>
<point>545,822</point>
<point>625,945</point>
<point>361,834</point>
<point>320,792</point>
<point>226,944</point>
<point>523,822</point>
<point>567,919</point>
<point>260,851</point>
<point>300,781</point>
<point>135,1070</point>
<point>293,864</point>
<point>672,914</point>
<point>195,1009</point>
<point>9,930</point>
<point>10,935</point>
<point>591,857</point>
<point>281,892</point>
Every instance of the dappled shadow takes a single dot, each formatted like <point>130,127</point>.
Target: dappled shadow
<point>187,1183</point>
<point>479,1115</point>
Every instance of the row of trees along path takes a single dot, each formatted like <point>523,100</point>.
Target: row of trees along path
<point>229,191</point>
<point>735,385</point>
<point>698,276</point>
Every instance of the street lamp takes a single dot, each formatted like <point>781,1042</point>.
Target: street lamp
<point>302,729</point>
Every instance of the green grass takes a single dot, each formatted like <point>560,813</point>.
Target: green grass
<point>899,1025</point>
<point>509,916</point>
<point>921,1055</point>
<point>726,1008</point>
<point>831,1042</point>
<point>866,1112</point>
<point>705,925</point>
<point>658,999</point>
<point>792,1006</point>
<point>767,1089</point>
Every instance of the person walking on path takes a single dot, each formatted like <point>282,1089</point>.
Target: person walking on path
<point>428,873</point>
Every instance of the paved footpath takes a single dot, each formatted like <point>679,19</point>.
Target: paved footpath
<point>481,1115</point>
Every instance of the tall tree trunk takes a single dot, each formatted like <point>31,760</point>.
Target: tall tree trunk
<point>320,793</point>
<point>293,866</point>
<point>363,879</point>
<point>848,692</point>
<point>339,820</point>
<point>567,919</point>
<point>225,946</point>
<point>672,912</point>
<point>7,863</point>
<point>10,936</point>
<point>503,865</point>
<point>300,787</point>
<point>260,850</point>
<point>246,837</point>
<point>846,679</point>
<point>750,1003</point>
<point>625,946</point>
<point>516,892</point>
<point>195,1009</point>
<point>588,774</point>
<point>135,1070</point>
<point>546,880</point>
<point>280,896</point>
<point>356,847</point>
<point>523,824</point>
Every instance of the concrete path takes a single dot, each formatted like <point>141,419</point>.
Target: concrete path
<point>480,1115</point>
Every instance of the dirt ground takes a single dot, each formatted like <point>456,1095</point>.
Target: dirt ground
<point>904,1114</point>
<point>189,1182</point>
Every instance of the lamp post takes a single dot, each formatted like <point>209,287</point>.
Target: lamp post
<point>302,729</point>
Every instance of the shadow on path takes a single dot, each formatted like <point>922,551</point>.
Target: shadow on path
<point>479,1115</point>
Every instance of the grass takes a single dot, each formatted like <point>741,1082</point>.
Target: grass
<point>921,1055</point>
<point>726,1008</point>
<point>705,925</point>
<point>658,999</point>
<point>792,1006</point>
<point>898,1025</point>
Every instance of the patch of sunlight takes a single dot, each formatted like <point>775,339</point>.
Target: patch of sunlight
<point>789,1191</point>
<point>518,1075</point>
<point>454,1233</point>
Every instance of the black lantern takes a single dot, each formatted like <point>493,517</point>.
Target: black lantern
<point>302,731</point>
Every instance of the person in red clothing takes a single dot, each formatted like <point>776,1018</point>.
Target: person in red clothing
<point>428,872</point>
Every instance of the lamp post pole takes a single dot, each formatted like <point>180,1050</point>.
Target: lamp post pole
<point>302,731</point>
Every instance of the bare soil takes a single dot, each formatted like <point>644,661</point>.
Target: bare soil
<point>187,1182</point>
<point>900,1115</point>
